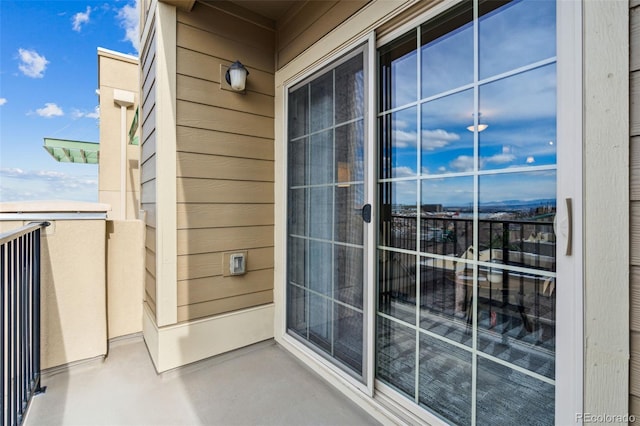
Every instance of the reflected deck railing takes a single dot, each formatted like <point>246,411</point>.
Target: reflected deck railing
<point>504,243</point>
<point>453,235</point>
<point>19,320</point>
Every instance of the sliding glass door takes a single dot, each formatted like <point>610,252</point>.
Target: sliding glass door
<point>466,310</point>
<point>326,196</point>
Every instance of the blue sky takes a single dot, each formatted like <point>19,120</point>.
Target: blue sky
<point>518,110</point>
<point>48,82</point>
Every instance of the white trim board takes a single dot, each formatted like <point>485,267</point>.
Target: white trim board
<point>181,344</point>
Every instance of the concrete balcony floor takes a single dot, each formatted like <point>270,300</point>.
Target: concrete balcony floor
<point>259,385</point>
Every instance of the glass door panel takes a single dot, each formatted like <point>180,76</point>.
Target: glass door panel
<point>326,193</point>
<point>466,312</point>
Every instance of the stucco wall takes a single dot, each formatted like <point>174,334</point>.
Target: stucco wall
<point>73,301</point>
<point>117,72</point>
<point>124,276</point>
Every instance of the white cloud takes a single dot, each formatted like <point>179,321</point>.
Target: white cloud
<point>79,19</point>
<point>20,185</point>
<point>3,101</point>
<point>32,64</point>
<point>439,138</point>
<point>500,158</point>
<point>76,113</point>
<point>50,110</point>
<point>128,17</point>
<point>463,163</point>
<point>403,171</point>
<point>404,139</point>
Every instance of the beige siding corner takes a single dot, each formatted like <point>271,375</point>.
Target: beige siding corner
<point>606,182</point>
<point>165,89</point>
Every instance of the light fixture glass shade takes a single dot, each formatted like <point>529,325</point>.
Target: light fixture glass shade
<point>236,76</point>
<point>481,127</point>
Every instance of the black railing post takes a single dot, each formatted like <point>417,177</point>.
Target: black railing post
<point>36,312</point>
<point>19,321</point>
<point>3,272</point>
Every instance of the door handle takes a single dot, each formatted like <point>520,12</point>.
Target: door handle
<point>569,203</point>
<point>564,226</point>
<point>366,213</point>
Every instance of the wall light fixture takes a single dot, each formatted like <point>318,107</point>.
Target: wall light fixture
<point>236,76</point>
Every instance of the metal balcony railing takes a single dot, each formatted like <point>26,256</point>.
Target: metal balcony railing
<point>515,273</point>
<point>19,320</point>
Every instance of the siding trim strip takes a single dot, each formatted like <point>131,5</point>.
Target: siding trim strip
<point>166,263</point>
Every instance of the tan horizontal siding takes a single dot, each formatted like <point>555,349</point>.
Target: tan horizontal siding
<point>148,192</point>
<point>214,288</point>
<point>219,167</point>
<point>635,299</point>
<point>210,264</point>
<point>148,163</point>
<point>203,141</point>
<point>635,103</point>
<point>634,169</point>
<point>634,406</point>
<point>150,212</point>
<point>148,147</point>
<point>233,9</point>
<point>150,261</point>
<point>205,67</point>
<point>634,38</point>
<point>148,119</point>
<point>150,238</point>
<point>209,93</point>
<point>223,215</point>
<point>223,191</point>
<point>220,306</point>
<point>192,241</point>
<point>151,303</point>
<point>313,27</point>
<point>148,170</point>
<point>228,26</point>
<point>302,18</point>
<point>634,194</point>
<point>225,48</point>
<point>224,162</point>
<point>224,120</point>
<point>634,365</point>
<point>150,286</point>
<point>149,52</point>
<point>148,85</point>
<point>635,233</point>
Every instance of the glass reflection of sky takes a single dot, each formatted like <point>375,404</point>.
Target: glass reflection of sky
<point>447,145</point>
<point>404,141</point>
<point>517,34</point>
<point>398,193</point>
<point>447,61</point>
<point>520,110</point>
<point>513,188</point>
<point>521,114</point>
<point>449,192</point>
<point>405,75</point>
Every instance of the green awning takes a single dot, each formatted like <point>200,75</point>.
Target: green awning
<point>133,138</point>
<point>67,151</point>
